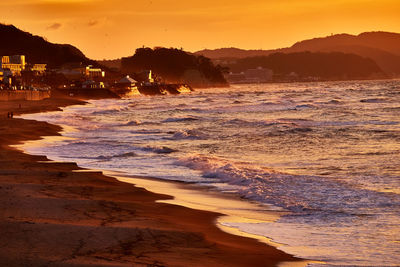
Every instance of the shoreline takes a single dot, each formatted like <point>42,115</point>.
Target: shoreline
<point>189,195</point>
<point>55,215</point>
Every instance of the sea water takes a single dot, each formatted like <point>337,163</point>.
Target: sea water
<point>327,153</point>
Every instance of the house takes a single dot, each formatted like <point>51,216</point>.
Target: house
<point>126,83</point>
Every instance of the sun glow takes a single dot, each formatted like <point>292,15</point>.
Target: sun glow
<point>117,28</point>
<point>66,1</point>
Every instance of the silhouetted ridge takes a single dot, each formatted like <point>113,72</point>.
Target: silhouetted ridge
<point>330,66</point>
<point>382,47</point>
<point>385,41</point>
<point>231,52</point>
<point>175,66</point>
<point>37,49</point>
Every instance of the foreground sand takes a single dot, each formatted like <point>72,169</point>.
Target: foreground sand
<point>52,215</point>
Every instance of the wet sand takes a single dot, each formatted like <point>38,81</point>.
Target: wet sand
<point>52,214</point>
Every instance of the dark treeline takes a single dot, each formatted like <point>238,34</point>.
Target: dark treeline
<point>334,65</point>
<point>38,50</point>
<point>175,66</point>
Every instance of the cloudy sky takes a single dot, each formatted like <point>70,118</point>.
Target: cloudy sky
<point>114,28</point>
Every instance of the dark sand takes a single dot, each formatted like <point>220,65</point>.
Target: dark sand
<point>52,216</point>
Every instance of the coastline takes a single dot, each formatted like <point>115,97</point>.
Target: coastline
<point>54,214</point>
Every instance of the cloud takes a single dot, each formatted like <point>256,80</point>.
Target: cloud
<point>93,23</point>
<point>54,26</point>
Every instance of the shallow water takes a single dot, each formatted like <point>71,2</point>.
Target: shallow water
<point>328,153</point>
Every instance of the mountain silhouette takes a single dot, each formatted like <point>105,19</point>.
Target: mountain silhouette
<point>37,50</point>
<point>382,47</point>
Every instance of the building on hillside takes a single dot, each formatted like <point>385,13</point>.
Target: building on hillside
<point>76,71</point>
<point>258,75</point>
<point>91,72</point>
<point>16,64</point>
<point>39,69</point>
<point>235,77</point>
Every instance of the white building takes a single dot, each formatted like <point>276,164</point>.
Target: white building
<point>258,75</point>
<point>16,64</point>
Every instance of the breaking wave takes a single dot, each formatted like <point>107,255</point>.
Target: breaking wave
<point>109,110</point>
<point>373,100</point>
<point>133,123</point>
<point>312,195</point>
<point>187,135</point>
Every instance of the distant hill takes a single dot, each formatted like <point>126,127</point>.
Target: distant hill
<point>232,52</point>
<point>382,47</point>
<point>325,66</point>
<point>37,49</point>
<point>175,66</point>
<point>384,41</point>
<point>111,63</point>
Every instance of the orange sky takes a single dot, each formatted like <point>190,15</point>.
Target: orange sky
<point>111,29</point>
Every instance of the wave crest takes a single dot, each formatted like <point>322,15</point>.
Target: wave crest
<point>159,150</point>
<point>180,119</point>
<point>299,193</point>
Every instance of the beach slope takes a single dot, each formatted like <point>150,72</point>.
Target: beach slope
<point>56,214</point>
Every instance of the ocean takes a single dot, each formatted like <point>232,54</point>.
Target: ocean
<point>327,154</point>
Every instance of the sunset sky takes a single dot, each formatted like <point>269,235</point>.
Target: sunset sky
<point>111,29</point>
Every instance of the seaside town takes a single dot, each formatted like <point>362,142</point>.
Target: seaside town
<point>14,71</point>
<point>18,74</point>
<point>21,79</point>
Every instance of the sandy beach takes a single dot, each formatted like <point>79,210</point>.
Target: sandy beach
<point>52,214</point>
